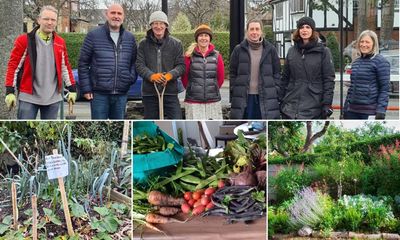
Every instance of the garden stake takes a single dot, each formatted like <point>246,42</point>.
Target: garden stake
<point>14,204</point>
<point>34,217</point>
<point>160,100</point>
<point>65,203</point>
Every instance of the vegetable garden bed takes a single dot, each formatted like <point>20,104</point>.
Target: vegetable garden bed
<point>82,193</point>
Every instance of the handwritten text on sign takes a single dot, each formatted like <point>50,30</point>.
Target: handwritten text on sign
<point>57,166</point>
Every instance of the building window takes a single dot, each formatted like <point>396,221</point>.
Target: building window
<point>296,6</point>
<point>279,10</point>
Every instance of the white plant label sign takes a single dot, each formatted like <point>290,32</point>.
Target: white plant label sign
<point>57,166</point>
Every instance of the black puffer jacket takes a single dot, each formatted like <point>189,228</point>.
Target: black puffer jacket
<point>163,56</point>
<point>104,67</point>
<point>268,84</point>
<point>307,82</point>
<point>203,84</point>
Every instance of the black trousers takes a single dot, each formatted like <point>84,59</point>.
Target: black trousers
<point>172,107</point>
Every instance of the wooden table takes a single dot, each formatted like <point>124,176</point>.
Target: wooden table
<point>207,228</point>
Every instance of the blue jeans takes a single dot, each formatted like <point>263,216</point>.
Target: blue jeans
<point>28,110</point>
<point>252,110</point>
<point>107,106</point>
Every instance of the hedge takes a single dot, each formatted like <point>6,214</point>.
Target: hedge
<point>220,40</point>
<point>363,147</point>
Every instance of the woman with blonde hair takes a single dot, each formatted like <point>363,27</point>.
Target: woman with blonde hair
<point>203,77</point>
<point>368,94</point>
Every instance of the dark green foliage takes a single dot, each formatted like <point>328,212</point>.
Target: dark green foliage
<point>367,149</point>
<point>268,34</point>
<point>74,42</point>
<point>288,182</point>
<point>333,44</point>
<point>382,177</point>
<point>278,221</point>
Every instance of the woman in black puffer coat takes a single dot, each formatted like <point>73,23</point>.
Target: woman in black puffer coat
<point>368,94</point>
<point>308,76</point>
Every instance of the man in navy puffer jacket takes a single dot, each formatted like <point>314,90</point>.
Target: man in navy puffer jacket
<point>107,66</point>
<point>368,94</point>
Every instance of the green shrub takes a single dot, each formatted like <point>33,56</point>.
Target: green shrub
<point>288,182</point>
<point>382,177</point>
<point>74,43</point>
<point>333,44</point>
<point>345,174</point>
<point>278,221</point>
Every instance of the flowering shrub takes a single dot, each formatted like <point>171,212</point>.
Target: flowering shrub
<point>362,212</point>
<point>309,208</point>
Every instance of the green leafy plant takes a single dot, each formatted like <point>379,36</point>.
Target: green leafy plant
<point>288,182</point>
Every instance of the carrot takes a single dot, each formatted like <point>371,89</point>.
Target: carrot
<point>168,211</point>
<point>160,199</point>
<point>152,227</point>
<point>155,218</point>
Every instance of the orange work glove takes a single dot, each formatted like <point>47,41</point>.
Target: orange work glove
<point>157,78</point>
<point>168,77</point>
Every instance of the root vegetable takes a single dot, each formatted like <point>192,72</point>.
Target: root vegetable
<point>196,195</point>
<point>168,211</point>
<point>159,199</point>
<point>185,208</point>
<point>155,218</point>
<point>187,196</point>
<point>205,200</point>
<point>198,210</point>
<point>209,191</point>
<point>209,206</point>
<point>221,184</point>
<point>191,202</point>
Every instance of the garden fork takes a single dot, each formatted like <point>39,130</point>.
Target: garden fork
<point>160,99</point>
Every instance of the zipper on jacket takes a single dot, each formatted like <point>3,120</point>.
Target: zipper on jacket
<point>159,67</point>
<point>116,51</point>
<point>205,78</point>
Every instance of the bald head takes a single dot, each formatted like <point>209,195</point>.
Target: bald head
<point>115,16</point>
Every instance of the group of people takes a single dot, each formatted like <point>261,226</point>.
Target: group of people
<point>110,61</point>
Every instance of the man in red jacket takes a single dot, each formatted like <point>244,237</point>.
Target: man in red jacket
<point>38,64</point>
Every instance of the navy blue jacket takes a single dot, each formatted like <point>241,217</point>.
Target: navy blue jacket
<point>369,88</point>
<point>104,67</point>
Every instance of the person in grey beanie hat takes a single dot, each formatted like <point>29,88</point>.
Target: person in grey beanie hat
<point>160,62</point>
<point>159,16</point>
<point>308,76</point>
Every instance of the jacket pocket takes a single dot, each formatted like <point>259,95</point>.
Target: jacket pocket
<point>315,91</point>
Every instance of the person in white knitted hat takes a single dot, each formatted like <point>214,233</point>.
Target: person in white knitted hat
<point>160,62</point>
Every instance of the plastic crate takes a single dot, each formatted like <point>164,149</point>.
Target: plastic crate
<point>154,163</point>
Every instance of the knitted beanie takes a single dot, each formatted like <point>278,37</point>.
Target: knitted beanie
<point>203,28</point>
<point>158,16</point>
<point>306,21</point>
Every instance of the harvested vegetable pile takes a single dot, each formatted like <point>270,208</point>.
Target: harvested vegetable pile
<point>238,203</point>
<point>145,143</point>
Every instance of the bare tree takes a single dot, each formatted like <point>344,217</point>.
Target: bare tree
<point>366,15</point>
<point>11,25</point>
<point>32,7</point>
<point>137,12</point>
<point>199,11</point>
<point>387,21</point>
